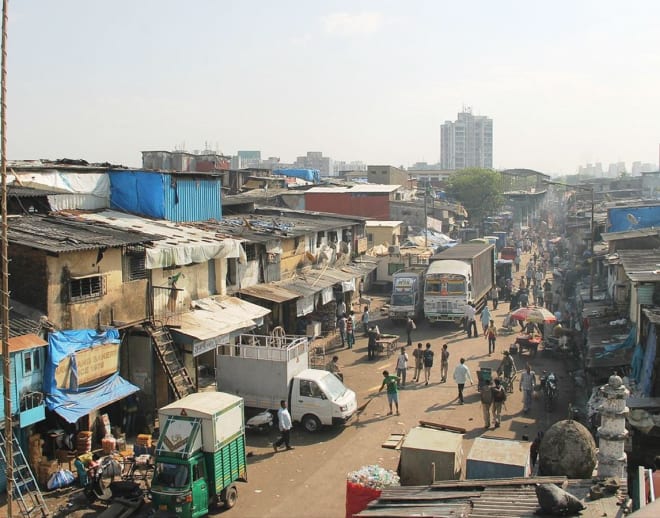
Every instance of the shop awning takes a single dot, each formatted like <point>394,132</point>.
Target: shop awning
<point>74,405</point>
<point>218,316</point>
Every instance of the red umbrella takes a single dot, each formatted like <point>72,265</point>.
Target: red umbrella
<point>533,314</point>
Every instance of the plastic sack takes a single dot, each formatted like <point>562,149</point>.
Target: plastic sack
<point>60,479</point>
<point>358,498</point>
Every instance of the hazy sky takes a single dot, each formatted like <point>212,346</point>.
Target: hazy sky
<point>566,82</point>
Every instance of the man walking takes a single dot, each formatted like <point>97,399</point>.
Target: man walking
<point>485,319</point>
<point>418,355</point>
<point>392,383</point>
<point>527,384</point>
<point>486,397</point>
<point>499,397</point>
<point>365,320</point>
<point>410,326</point>
<point>341,323</point>
<point>350,334</point>
<point>402,366</point>
<point>491,336</point>
<point>284,421</point>
<point>371,343</point>
<point>470,323</point>
<point>444,364</point>
<point>495,296</point>
<point>461,375</point>
<point>428,362</point>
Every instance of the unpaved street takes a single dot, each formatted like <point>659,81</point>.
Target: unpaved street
<point>310,480</point>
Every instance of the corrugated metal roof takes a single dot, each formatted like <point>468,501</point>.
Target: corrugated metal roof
<point>165,234</point>
<point>512,498</point>
<point>365,188</point>
<point>271,291</point>
<point>374,223</point>
<point>630,234</point>
<point>30,341</point>
<point>57,233</point>
<point>641,265</point>
<point>218,316</point>
<point>19,191</point>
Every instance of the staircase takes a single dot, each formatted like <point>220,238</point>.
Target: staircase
<point>177,376</point>
<point>26,491</point>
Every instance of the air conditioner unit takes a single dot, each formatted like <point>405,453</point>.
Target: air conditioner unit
<point>394,249</point>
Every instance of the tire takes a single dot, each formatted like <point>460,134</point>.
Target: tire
<point>311,423</point>
<point>229,496</point>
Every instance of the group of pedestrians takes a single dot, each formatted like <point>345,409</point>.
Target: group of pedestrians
<point>492,396</point>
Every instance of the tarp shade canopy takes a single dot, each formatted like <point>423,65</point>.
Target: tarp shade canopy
<point>74,405</point>
<point>74,402</point>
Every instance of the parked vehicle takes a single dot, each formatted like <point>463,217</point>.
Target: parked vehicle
<point>501,239</point>
<point>407,298</point>
<point>458,275</point>
<point>508,252</point>
<point>264,370</point>
<point>200,454</point>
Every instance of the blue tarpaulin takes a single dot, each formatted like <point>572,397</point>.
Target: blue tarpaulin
<point>139,192</point>
<point>628,343</point>
<point>310,175</point>
<point>76,401</point>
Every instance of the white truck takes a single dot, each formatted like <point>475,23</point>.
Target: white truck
<point>456,276</point>
<point>264,370</point>
<point>407,298</point>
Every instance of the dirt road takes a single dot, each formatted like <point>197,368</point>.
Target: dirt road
<point>310,480</point>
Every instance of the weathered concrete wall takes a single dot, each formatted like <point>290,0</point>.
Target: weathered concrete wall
<point>123,301</point>
<point>28,276</point>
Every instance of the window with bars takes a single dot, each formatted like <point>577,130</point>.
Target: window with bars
<point>134,263</point>
<point>250,251</point>
<point>86,288</point>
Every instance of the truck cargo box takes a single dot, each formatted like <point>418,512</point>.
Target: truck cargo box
<point>220,415</point>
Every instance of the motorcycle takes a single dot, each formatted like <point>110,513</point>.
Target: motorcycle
<point>549,385</point>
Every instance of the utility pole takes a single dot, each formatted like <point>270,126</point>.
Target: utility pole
<point>591,259</point>
<point>4,298</point>
<point>426,225</point>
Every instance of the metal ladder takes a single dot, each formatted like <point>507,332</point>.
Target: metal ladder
<point>26,491</point>
<point>177,375</point>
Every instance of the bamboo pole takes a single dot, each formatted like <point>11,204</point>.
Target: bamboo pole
<point>4,298</point>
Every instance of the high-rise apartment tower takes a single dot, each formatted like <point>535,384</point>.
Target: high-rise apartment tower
<point>467,142</point>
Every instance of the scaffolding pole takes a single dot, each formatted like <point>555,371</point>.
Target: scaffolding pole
<point>4,302</point>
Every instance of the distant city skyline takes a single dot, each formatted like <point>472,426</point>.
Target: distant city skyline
<point>567,83</point>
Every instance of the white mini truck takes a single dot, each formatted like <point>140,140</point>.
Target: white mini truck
<point>264,370</point>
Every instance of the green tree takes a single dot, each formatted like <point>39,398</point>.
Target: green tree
<point>479,190</point>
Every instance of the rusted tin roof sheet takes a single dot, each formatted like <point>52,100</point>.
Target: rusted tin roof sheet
<point>59,234</point>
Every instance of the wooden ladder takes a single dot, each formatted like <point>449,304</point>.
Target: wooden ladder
<point>177,375</point>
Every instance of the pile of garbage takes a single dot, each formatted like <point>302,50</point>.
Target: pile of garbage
<point>374,477</point>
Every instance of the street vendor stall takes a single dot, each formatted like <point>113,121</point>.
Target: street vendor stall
<point>387,344</point>
<point>531,338</point>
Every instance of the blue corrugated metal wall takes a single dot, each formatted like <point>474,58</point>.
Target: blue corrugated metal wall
<point>193,199</point>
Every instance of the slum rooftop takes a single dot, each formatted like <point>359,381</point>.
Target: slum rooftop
<point>59,233</point>
<point>641,265</point>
